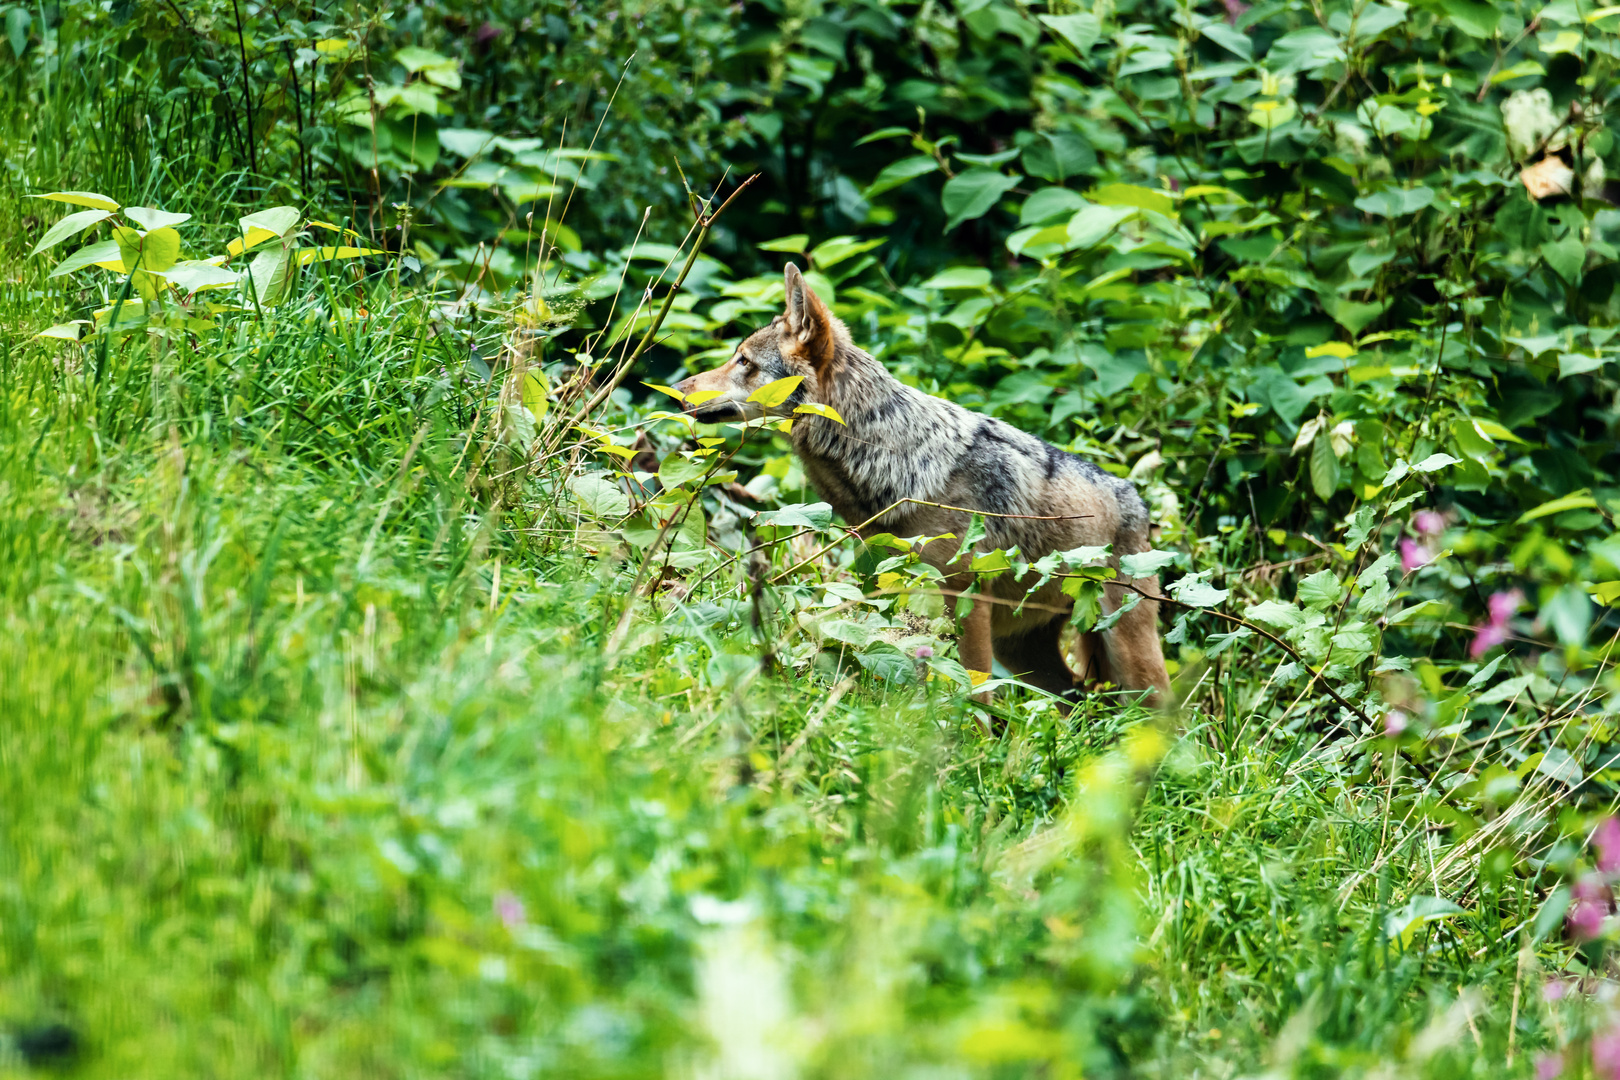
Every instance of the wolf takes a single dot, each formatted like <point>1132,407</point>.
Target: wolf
<point>907,463</point>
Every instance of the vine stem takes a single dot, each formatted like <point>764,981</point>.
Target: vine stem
<point>705,223</point>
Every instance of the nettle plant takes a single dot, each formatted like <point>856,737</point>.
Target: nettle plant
<point>157,288</point>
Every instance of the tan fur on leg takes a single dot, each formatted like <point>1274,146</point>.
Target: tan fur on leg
<point>1134,654</point>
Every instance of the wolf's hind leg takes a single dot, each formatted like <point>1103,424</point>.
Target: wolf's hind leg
<point>974,648</point>
<point>1036,658</point>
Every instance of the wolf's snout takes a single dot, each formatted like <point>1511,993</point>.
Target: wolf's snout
<point>683,388</point>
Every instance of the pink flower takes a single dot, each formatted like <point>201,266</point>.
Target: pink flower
<point>1486,638</point>
<point>1592,900</point>
<point>1502,605</point>
<point>1429,522</point>
<point>1394,723</point>
<point>1413,555</point>
<point>1606,1054</point>
<point>1555,990</point>
<point>1549,1066</point>
<point>1606,838</point>
<point>925,652</point>
<point>1494,631</point>
<point>509,909</point>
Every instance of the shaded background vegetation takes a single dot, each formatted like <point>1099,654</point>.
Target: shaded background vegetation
<point>330,733</point>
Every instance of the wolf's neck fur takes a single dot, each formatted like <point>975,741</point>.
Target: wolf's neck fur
<point>896,442</point>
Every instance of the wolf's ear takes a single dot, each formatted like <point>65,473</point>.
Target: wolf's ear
<point>809,324</point>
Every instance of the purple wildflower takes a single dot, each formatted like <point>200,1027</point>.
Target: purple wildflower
<point>1606,1054</point>
<point>509,909</point>
<point>1585,919</point>
<point>1549,1066</point>
<point>1429,522</point>
<point>1395,722</point>
<point>1413,555</point>
<point>1606,838</point>
<point>925,652</point>
<point>1494,631</point>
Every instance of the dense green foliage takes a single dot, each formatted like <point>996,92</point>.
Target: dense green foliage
<point>364,714</point>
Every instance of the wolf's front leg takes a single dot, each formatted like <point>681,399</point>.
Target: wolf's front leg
<point>973,648</point>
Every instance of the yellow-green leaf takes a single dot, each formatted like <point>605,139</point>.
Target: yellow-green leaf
<point>157,250</point>
<point>774,393</point>
<point>670,390</point>
<point>698,397</point>
<point>69,226</point>
<point>617,451</point>
<point>821,410</point>
<point>253,239</point>
<point>321,254</point>
<point>71,331</point>
<point>1339,349</point>
<point>1606,593</point>
<point>81,198</point>
<point>96,254</point>
<point>1578,500</point>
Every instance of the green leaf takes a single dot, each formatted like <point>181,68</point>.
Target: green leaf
<point>18,20</point>
<point>156,251</point>
<point>1362,523</point>
<point>1434,463</point>
<point>1394,202</point>
<point>1473,17</point>
<point>104,251</point>
<point>1196,592</point>
<point>971,194</point>
<point>959,277</point>
<point>1324,466</point>
<point>191,276</point>
<point>816,515</point>
<point>1145,563</point>
<point>1424,610</point>
<point>73,331</point>
<point>793,245</point>
<point>1321,590</point>
<point>71,225</point>
<point>1566,256</point>
<point>1578,500</point>
<point>900,172</point>
<point>1092,224</point>
<point>466,142</point>
<point>1416,913</point>
<point>835,250</point>
<point>271,274</point>
<point>599,496</point>
<point>81,198</point>
<point>887,662</point>
<point>1570,364</point>
<point>1132,195</point>
<point>149,219</point>
<point>1079,32</point>
<point>278,220</point>
<point>676,470</point>
<point>1111,620</point>
<point>1275,614</point>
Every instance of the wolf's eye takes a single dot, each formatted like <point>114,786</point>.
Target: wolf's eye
<point>745,363</point>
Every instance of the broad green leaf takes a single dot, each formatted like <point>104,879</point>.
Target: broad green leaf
<point>413,58</point>
<point>1145,563</point>
<point>278,220</point>
<point>1394,202</point>
<point>81,198</point>
<point>1434,463</point>
<point>676,470</point>
<point>1079,32</point>
<point>198,275</point>
<point>600,497</point>
<point>1425,610</point>
<point>959,277</point>
<point>816,515</point>
<point>1571,364</point>
<point>1269,115</point>
<point>900,172</point>
<point>90,255</point>
<point>847,631</point>
<point>1092,224</point>
<point>1475,18</point>
<point>1565,256</point>
<point>1320,590</point>
<point>464,142</point>
<point>1197,592</point>
<point>271,273</point>
<point>835,250</point>
<point>1401,924</point>
<point>1324,466</point>
<point>971,194</point>
<point>71,225</point>
<point>816,408</point>
<point>887,662</point>
<point>72,331</point>
<point>793,245</point>
<point>1275,614</point>
<point>149,219</point>
<point>775,393</point>
<point>1132,195</point>
<point>157,251</point>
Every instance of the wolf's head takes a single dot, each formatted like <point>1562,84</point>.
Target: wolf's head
<point>803,340</point>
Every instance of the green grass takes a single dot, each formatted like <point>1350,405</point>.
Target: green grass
<point>314,764</point>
